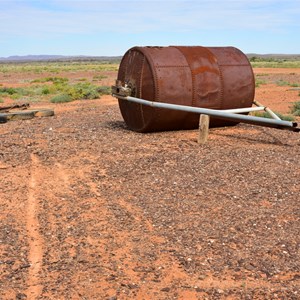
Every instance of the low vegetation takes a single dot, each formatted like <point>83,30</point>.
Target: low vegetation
<point>261,62</point>
<point>58,67</point>
<point>56,88</point>
<point>286,83</point>
<point>62,98</point>
<point>259,82</point>
<point>50,81</point>
<point>56,80</point>
<point>281,116</point>
<point>261,74</point>
<point>99,77</point>
<point>296,108</point>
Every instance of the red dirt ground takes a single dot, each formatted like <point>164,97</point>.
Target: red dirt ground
<point>91,210</point>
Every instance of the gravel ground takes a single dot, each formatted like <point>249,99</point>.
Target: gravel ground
<point>91,210</point>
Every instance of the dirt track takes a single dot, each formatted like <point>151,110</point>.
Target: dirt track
<point>90,210</point>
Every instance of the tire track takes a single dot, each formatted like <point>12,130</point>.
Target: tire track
<point>35,240</point>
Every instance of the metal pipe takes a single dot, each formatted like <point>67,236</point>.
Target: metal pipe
<point>219,114</point>
<point>243,110</point>
<point>268,110</point>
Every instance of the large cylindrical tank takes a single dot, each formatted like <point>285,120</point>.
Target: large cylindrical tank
<point>208,77</point>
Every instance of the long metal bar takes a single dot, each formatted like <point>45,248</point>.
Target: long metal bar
<point>217,114</point>
<point>243,110</point>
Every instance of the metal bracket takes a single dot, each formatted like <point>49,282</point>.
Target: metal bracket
<point>121,90</point>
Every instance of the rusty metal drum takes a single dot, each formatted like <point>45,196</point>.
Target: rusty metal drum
<point>208,77</point>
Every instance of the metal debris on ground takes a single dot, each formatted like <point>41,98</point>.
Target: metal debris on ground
<point>9,113</point>
<point>22,106</point>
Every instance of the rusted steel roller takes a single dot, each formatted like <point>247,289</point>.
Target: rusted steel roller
<point>208,77</point>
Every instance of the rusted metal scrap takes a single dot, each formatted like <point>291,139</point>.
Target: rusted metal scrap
<point>166,88</point>
<point>3,118</point>
<point>22,112</point>
<point>8,108</point>
<point>206,77</point>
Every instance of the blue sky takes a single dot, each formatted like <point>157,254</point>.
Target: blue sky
<point>78,27</point>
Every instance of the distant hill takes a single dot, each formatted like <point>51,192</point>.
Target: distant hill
<point>49,58</point>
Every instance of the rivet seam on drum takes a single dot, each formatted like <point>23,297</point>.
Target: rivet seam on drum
<point>156,88</point>
<point>158,66</point>
<point>193,88</point>
<point>192,73</point>
<point>222,85</point>
<point>126,65</point>
<point>228,65</point>
<point>140,87</point>
<point>221,95</point>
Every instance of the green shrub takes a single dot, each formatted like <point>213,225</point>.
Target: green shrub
<point>41,90</point>
<point>14,93</point>
<point>259,81</point>
<point>80,91</point>
<point>1,100</point>
<point>45,90</point>
<point>15,96</point>
<point>55,80</point>
<point>286,83</point>
<point>295,85</point>
<point>99,77</point>
<point>281,116</point>
<point>8,90</point>
<point>296,108</point>
<point>104,90</point>
<point>60,86</point>
<point>58,67</point>
<point>257,62</point>
<point>262,74</point>
<point>91,93</point>
<point>282,82</point>
<point>285,117</point>
<point>62,98</point>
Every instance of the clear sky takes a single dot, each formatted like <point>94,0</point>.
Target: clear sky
<point>91,27</point>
